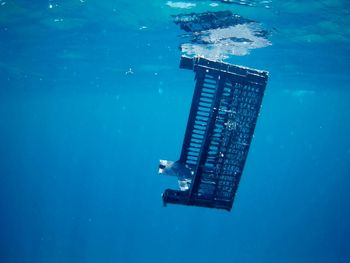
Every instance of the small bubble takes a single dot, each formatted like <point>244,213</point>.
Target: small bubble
<point>129,72</point>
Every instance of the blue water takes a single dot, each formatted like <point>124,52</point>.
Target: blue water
<point>80,139</point>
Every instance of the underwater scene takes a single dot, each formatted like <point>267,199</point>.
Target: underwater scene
<point>95,95</point>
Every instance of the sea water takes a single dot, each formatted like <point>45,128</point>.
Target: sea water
<point>91,97</point>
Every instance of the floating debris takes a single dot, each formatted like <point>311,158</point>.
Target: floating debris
<point>220,127</point>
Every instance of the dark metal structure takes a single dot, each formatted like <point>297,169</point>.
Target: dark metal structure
<point>225,106</point>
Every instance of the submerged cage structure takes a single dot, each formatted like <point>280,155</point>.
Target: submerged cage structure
<point>225,107</point>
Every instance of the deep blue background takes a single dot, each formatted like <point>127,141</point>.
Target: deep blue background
<point>80,142</point>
